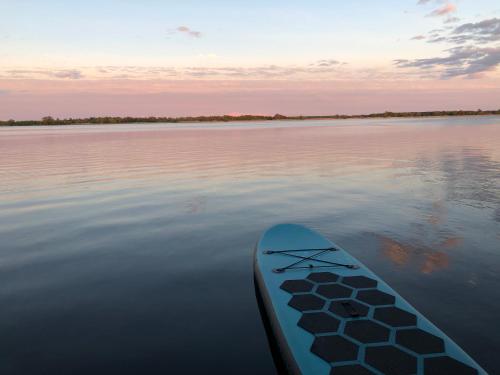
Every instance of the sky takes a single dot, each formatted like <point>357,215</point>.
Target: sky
<point>294,57</point>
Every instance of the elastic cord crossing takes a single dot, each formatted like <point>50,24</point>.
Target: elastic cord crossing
<point>303,259</point>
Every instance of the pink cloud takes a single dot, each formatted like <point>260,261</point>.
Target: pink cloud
<point>186,30</point>
<point>443,11</point>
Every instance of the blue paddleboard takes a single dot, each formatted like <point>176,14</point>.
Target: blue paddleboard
<point>329,314</point>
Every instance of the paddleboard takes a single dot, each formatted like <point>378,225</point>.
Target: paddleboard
<point>329,314</point>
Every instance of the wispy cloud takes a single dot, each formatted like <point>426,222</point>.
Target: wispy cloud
<point>452,20</point>
<point>189,32</point>
<point>69,74</point>
<point>418,37</point>
<point>443,11</point>
<point>447,9</point>
<point>436,39</point>
<point>319,70</point>
<point>476,50</point>
<point>33,73</point>
<point>327,62</point>
<point>483,32</point>
<point>467,61</point>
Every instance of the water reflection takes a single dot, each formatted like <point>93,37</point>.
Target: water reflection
<point>438,213</point>
<point>471,177</point>
<point>396,252</point>
<point>452,242</point>
<point>427,259</point>
<point>434,261</point>
<point>129,248</point>
<point>196,204</point>
<point>496,215</point>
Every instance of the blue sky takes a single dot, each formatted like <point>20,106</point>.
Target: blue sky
<point>93,32</point>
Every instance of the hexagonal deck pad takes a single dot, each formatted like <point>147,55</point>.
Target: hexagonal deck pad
<point>339,347</point>
<point>305,302</point>
<point>323,277</point>
<point>366,331</point>
<point>297,286</point>
<point>334,348</point>
<point>334,291</point>
<point>359,282</point>
<point>395,317</point>
<point>348,308</point>
<point>446,365</point>
<point>375,297</point>
<point>419,341</point>
<point>391,361</point>
<point>319,322</point>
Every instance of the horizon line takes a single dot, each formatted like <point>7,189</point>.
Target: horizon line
<point>49,120</point>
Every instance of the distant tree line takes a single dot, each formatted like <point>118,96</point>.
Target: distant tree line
<point>48,120</point>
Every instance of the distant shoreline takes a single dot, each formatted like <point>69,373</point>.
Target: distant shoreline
<point>108,120</point>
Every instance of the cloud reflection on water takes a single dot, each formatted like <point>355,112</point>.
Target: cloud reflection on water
<point>427,259</point>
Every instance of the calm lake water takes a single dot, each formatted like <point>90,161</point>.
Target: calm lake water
<point>128,249</point>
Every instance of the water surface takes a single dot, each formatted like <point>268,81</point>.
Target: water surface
<point>128,248</point>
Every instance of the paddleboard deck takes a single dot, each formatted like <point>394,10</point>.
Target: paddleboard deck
<point>329,314</point>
